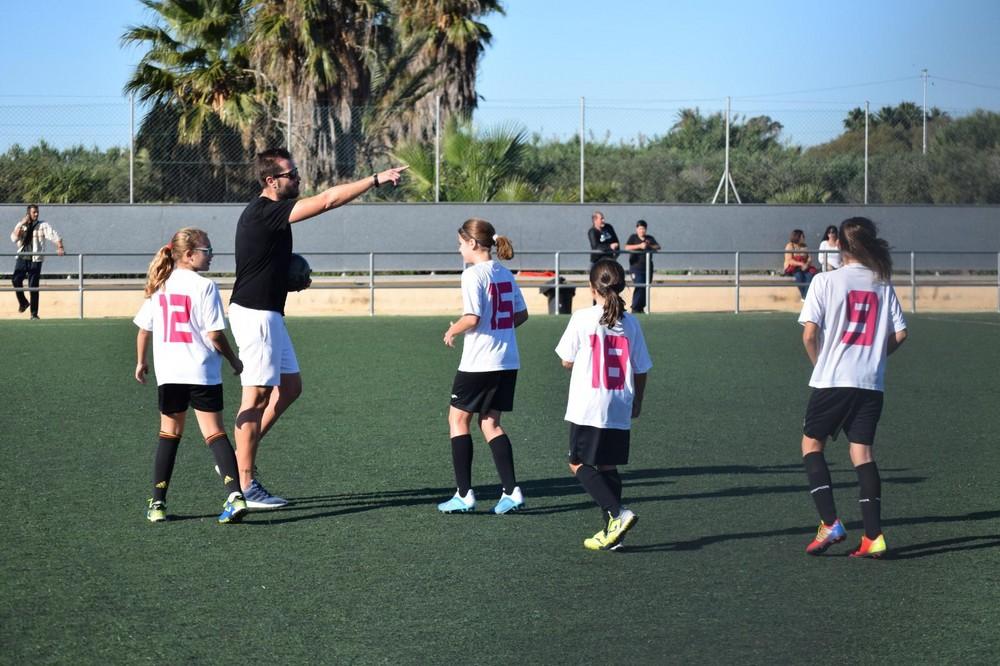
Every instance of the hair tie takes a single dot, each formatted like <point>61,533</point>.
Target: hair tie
<point>167,247</point>
<point>494,238</point>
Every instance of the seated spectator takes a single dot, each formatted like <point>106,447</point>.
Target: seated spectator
<point>829,261</point>
<point>798,264</point>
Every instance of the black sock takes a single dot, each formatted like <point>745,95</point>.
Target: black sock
<point>225,458</point>
<point>597,487</point>
<point>820,486</point>
<point>163,464</point>
<point>870,498</point>
<point>503,458</point>
<point>614,481</point>
<point>461,459</point>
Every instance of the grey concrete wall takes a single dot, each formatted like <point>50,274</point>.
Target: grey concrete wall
<point>534,228</point>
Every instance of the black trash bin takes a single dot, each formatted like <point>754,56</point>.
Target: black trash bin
<point>566,295</point>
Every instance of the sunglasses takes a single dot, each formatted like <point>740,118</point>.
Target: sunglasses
<point>206,250</point>
<point>293,175</point>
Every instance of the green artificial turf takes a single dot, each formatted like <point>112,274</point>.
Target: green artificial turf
<point>361,568</point>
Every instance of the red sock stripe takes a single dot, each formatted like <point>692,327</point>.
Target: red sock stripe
<point>212,438</point>
<point>169,435</point>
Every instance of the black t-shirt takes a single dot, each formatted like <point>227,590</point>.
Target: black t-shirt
<point>263,252</point>
<point>639,260</point>
<point>601,239</point>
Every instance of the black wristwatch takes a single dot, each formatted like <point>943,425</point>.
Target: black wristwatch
<point>375,179</point>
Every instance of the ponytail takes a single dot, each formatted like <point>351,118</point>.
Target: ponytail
<point>859,239</point>
<point>607,278</point>
<point>486,236</point>
<point>166,257</point>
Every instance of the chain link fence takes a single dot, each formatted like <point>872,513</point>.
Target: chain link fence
<point>61,150</point>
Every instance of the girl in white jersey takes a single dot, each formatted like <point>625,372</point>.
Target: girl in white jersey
<point>484,384</point>
<point>852,321</point>
<point>182,316</point>
<point>605,348</point>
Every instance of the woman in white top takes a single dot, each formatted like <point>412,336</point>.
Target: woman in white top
<point>829,261</point>
<point>605,348</point>
<point>182,316</point>
<point>851,322</point>
<point>484,384</point>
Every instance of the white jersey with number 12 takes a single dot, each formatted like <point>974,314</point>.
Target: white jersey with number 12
<point>180,315</point>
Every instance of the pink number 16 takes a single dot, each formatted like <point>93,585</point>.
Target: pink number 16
<point>610,362</point>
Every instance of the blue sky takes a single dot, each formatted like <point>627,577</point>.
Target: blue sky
<point>804,63</point>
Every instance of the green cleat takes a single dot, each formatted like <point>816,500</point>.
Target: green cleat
<point>157,511</point>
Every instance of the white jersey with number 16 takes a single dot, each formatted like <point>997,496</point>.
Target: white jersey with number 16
<point>180,315</point>
<point>490,292</point>
<point>605,360</point>
<point>856,313</point>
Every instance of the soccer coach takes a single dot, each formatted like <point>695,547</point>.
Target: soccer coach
<point>271,378</point>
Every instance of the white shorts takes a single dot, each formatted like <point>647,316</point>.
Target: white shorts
<point>265,348</point>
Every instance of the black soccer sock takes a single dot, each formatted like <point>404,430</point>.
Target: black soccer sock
<point>598,488</point>
<point>503,458</point>
<point>225,458</point>
<point>870,498</point>
<point>461,459</point>
<point>820,486</point>
<point>163,464</point>
<point>614,481</point>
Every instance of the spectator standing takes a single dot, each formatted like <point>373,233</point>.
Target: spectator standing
<point>30,235</point>
<point>603,239</point>
<point>642,242</point>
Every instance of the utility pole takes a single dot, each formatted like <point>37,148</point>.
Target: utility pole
<point>924,77</point>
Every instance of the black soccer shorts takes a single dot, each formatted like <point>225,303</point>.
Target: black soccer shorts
<point>853,410</point>
<point>175,398</point>
<point>482,392</point>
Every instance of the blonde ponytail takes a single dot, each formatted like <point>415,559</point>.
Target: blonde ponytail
<point>162,265</point>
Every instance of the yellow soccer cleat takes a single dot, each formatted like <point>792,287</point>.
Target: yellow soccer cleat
<point>873,548</point>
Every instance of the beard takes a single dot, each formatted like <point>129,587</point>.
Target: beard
<point>289,191</point>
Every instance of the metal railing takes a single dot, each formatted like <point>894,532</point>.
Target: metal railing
<point>739,280</point>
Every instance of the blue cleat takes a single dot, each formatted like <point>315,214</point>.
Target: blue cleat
<point>459,504</point>
<point>826,536</point>
<point>509,503</point>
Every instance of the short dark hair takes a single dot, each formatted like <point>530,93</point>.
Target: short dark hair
<point>266,163</point>
<point>31,207</point>
<point>641,223</point>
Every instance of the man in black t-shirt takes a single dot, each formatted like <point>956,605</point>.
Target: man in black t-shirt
<point>271,379</point>
<point>642,244</point>
<point>603,238</point>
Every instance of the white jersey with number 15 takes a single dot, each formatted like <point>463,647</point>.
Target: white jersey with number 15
<point>490,292</point>
<point>605,362</point>
<point>180,316</point>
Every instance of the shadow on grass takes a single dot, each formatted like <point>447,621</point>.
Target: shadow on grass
<point>895,553</point>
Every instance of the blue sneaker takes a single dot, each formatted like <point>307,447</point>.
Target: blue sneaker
<point>509,503</point>
<point>459,504</point>
<point>258,498</point>
<point>234,509</point>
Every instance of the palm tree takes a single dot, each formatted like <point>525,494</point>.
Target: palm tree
<point>485,166</point>
<point>197,61</point>
<point>453,39</point>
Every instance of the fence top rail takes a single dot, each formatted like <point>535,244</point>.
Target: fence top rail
<point>434,253</point>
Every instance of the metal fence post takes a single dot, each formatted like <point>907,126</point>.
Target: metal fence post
<point>913,282</point>
<point>371,284</point>
<point>649,281</point>
<point>998,281</point>
<point>737,281</point>
<point>866,152</point>
<point>288,120</point>
<point>583,141</point>
<point>131,149</point>
<point>556,296</point>
<point>79,281</point>
<point>437,149</point>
